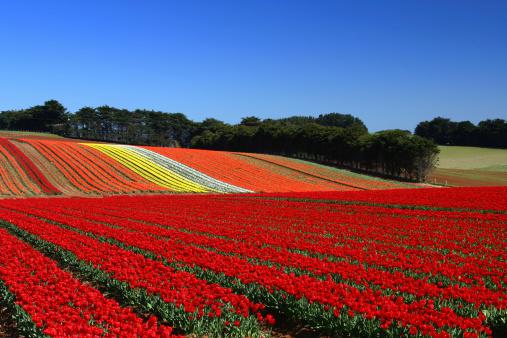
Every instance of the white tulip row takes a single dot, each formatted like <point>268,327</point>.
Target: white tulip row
<point>186,171</point>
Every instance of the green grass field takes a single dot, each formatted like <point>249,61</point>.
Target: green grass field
<point>489,159</point>
<point>470,166</point>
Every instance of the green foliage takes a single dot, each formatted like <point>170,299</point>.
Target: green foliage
<point>250,121</point>
<point>134,127</point>
<point>342,121</point>
<point>488,133</point>
<point>329,120</point>
<point>49,117</point>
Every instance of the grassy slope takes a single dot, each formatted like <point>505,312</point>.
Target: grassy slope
<point>471,166</point>
<point>21,134</point>
<point>473,158</point>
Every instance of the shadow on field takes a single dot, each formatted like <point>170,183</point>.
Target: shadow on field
<point>291,329</point>
<point>7,326</point>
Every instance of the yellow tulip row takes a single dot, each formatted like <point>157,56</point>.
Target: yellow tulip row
<point>149,169</point>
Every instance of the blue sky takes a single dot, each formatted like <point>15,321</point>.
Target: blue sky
<point>391,63</point>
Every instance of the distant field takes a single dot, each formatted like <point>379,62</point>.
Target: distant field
<point>473,158</point>
<point>471,166</point>
<point>26,134</point>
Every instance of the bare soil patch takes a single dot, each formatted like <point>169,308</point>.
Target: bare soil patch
<point>7,325</point>
<point>468,178</point>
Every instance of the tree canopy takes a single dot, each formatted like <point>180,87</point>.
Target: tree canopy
<point>488,133</point>
<point>332,138</point>
<point>51,116</point>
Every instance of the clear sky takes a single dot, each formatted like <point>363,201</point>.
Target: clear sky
<point>391,63</point>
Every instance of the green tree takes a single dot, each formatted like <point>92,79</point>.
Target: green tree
<point>251,121</point>
<point>342,121</point>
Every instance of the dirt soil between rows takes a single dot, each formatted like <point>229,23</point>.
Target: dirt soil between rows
<point>7,326</point>
<point>468,177</point>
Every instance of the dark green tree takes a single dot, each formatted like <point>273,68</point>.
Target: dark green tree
<point>342,121</point>
<point>251,121</point>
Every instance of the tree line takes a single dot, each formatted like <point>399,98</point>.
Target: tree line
<point>487,133</point>
<point>52,116</point>
<point>144,127</point>
<point>333,138</point>
<point>337,139</point>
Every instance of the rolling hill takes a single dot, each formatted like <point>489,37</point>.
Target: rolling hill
<point>39,164</point>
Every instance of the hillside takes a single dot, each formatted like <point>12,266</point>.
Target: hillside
<point>471,166</point>
<point>39,164</point>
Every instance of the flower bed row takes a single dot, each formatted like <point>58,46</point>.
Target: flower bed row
<point>89,170</point>
<point>14,180</point>
<point>227,167</point>
<point>29,167</point>
<point>148,169</point>
<point>456,256</point>
<point>55,303</point>
<point>462,198</point>
<point>352,273</point>
<point>188,303</point>
<point>187,172</point>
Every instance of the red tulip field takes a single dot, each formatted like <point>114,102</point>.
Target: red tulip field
<point>407,262</point>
